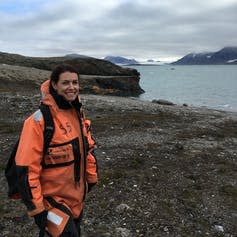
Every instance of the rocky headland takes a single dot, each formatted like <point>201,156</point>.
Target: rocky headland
<point>97,76</point>
<point>165,170</point>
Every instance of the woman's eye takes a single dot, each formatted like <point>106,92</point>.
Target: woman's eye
<point>75,82</point>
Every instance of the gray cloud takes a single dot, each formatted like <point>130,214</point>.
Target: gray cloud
<point>138,28</point>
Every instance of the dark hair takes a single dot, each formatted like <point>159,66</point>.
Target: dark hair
<point>59,69</point>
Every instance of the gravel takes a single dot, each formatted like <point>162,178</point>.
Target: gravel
<point>165,170</point>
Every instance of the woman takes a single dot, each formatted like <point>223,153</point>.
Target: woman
<point>53,184</point>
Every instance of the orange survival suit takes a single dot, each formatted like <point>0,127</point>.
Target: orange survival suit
<point>69,164</point>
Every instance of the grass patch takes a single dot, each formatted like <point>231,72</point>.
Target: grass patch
<point>101,229</point>
<point>135,121</point>
<point>107,176</point>
<point>230,191</point>
<point>191,198</point>
<point>167,208</point>
<point>137,162</point>
<point>2,167</point>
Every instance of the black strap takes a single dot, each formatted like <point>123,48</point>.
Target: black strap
<point>61,207</point>
<point>48,134</point>
<point>48,125</point>
<point>42,232</point>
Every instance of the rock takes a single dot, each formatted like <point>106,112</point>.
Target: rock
<point>179,146</point>
<point>163,102</point>
<point>122,207</point>
<point>219,228</point>
<point>111,85</point>
<point>123,232</point>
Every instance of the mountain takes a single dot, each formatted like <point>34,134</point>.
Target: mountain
<point>120,60</point>
<point>225,56</point>
<point>75,55</point>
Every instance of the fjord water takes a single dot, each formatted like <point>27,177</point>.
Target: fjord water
<point>212,86</point>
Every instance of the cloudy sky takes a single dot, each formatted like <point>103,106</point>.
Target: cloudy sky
<point>141,29</point>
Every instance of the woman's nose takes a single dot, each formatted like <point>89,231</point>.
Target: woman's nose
<point>71,85</point>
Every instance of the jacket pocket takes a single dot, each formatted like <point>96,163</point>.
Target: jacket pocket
<point>60,155</point>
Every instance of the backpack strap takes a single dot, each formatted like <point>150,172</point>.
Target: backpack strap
<point>48,125</point>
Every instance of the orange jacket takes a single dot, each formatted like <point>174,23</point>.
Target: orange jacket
<point>69,164</point>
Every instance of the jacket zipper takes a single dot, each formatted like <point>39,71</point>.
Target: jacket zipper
<point>84,152</point>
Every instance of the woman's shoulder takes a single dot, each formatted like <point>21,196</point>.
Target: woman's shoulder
<point>36,117</point>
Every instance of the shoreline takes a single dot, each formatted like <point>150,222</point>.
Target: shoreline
<point>197,86</point>
<point>135,101</point>
<point>221,108</point>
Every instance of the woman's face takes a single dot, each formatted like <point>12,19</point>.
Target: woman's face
<point>67,86</point>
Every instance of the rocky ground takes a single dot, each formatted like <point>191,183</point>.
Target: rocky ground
<point>164,170</point>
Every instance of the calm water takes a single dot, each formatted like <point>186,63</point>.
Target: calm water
<point>210,86</point>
